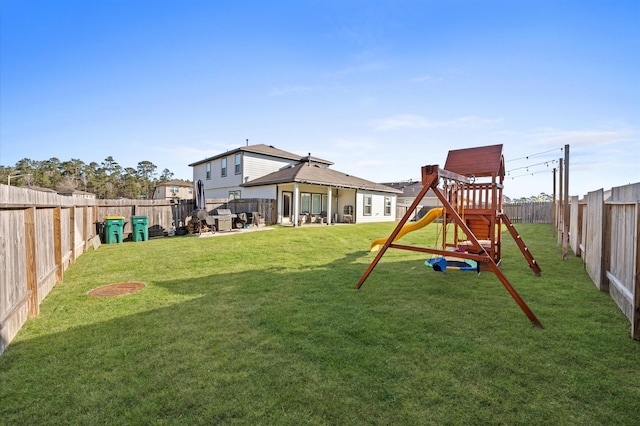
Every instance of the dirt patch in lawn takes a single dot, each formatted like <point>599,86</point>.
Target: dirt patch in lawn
<point>116,289</point>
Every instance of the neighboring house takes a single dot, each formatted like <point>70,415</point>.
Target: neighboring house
<point>173,190</point>
<point>77,193</point>
<point>305,187</point>
<point>409,190</point>
<point>40,189</point>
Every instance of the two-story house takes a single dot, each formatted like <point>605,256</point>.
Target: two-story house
<point>304,187</point>
<point>173,190</point>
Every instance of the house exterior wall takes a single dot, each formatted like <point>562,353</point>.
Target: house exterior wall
<point>346,197</point>
<point>256,165</point>
<point>377,207</point>
<point>223,192</point>
<point>259,192</point>
<point>199,173</point>
<point>252,166</point>
<point>426,201</point>
<point>165,193</point>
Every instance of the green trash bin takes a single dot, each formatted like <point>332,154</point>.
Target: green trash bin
<point>139,228</point>
<point>113,229</point>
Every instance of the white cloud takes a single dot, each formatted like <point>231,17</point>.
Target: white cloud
<point>589,137</point>
<point>550,137</point>
<point>412,121</point>
<point>355,144</point>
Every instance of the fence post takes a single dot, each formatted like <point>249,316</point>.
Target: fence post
<point>96,219</point>
<point>559,215</point>
<point>57,242</point>
<point>30,260</point>
<point>635,320</point>
<point>85,234</point>
<point>606,246</point>
<point>575,225</point>
<point>72,234</point>
<point>566,213</point>
<point>554,206</point>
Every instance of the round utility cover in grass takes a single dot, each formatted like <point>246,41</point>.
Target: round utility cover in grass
<point>116,289</point>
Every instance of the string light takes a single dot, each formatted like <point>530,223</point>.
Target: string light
<point>528,174</point>
<point>529,168</point>
<point>534,155</point>
<point>546,163</point>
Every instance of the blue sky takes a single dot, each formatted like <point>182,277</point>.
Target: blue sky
<point>380,88</point>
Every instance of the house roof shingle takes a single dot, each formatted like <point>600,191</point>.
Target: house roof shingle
<point>409,189</point>
<point>308,172</point>
<point>263,149</point>
<point>176,182</point>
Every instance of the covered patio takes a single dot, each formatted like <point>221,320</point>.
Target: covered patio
<point>310,192</point>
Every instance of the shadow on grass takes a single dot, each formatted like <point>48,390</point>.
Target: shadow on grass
<point>412,346</point>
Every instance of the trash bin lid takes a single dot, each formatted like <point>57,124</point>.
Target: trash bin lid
<point>114,217</point>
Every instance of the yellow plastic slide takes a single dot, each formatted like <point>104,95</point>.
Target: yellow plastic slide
<point>431,215</point>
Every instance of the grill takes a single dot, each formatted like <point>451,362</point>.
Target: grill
<point>222,220</point>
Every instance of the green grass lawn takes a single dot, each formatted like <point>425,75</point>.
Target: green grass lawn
<point>267,328</point>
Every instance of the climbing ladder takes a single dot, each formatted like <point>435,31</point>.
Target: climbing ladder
<point>523,247</point>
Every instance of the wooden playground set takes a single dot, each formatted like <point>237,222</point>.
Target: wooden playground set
<point>469,187</point>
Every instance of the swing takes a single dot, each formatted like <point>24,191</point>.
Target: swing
<point>442,263</point>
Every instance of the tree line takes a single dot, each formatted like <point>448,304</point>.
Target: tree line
<point>106,180</point>
<point>540,198</point>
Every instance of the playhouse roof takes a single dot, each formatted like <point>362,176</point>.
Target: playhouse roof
<point>481,161</point>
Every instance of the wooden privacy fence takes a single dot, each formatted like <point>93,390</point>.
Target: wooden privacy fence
<point>604,229</point>
<point>42,234</point>
<point>533,212</point>
<point>530,212</point>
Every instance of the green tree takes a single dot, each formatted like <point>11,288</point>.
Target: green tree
<point>165,176</point>
<point>27,169</point>
<point>147,174</point>
<point>5,172</point>
<point>107,179</point>
<point>130,183</point>
<point>110,172</point>
<point>72,172</point>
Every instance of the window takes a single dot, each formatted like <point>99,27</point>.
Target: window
<point>190,191</point>
<point>223,167</point>
<point>238,164</point>
<point>387,206</point>
<point>208,170</point>
<point>366,208</point>
<point>234,195</point>
<point>305,202</point>
<point>316,203</point>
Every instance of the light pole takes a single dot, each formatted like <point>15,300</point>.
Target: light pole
<point>15,176</point>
